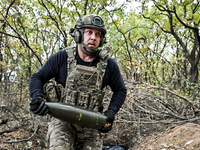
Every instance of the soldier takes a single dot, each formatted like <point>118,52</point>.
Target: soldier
<point>83,71</point>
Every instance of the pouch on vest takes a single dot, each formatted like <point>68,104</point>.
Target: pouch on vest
<point>53,91</point>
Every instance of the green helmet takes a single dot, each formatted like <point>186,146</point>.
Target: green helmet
<point>88,21</point>
<point>92,21</point>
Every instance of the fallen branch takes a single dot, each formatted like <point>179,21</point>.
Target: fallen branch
<point>3,121</point>
<point>156,122</point>
<point>9,142</point>
<point>11,130</point>
<point>6,109</point>
<point>182,97</point>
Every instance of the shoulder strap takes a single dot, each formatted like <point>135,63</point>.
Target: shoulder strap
<point>104,53</point>
<point>104,56</point>
<point>71,61</point>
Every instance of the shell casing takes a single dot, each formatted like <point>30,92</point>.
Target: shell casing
<point>77,115</point>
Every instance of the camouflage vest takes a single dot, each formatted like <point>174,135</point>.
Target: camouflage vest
<point>84,83</point>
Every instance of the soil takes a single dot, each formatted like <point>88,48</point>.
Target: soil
<point>23,138</point>
<point>183,137</point>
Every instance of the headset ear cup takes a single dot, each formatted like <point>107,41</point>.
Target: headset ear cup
<point>77,36</point>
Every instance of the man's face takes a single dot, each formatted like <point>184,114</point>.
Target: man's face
<point>92,37</point>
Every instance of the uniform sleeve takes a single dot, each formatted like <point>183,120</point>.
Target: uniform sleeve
<point>48,71</point>
<point>117,85</point>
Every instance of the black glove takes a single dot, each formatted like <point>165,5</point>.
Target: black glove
<point>38,106</point>
<point>110,118</point>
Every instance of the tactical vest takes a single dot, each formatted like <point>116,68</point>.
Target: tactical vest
<point>84,83</point>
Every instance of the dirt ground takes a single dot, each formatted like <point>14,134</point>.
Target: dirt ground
<point>23,138</point>
<point>183,137</point>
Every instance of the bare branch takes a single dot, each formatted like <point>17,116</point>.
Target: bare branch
<point>129,54</point>
<point>182,97</point>
<point>76,8</point>
<point>16,141</point>
<point>184,24</point>
<point>22,40</point>
<point>196,7</point>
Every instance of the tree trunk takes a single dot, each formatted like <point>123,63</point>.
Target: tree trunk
<point>1,64</point>
<point>194,73</point>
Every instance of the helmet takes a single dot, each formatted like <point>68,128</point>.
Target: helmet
<point>91,21</point>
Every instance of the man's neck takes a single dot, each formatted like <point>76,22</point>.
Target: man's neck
<point>83,56</point>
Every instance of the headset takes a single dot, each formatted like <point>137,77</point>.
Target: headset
<point>77,35</point>
<point>78,31</point>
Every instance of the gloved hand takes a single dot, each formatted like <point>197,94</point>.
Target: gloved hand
<point>38,106</point>
<point>110,118</point>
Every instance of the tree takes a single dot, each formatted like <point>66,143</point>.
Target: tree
<point>181,20</point>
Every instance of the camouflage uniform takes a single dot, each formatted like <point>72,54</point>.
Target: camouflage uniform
<point>83,88</point>
<point>66,136</point>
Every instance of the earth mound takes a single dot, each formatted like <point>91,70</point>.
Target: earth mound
<point>186,136</point>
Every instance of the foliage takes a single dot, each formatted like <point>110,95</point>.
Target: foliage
<point>157,42</point>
